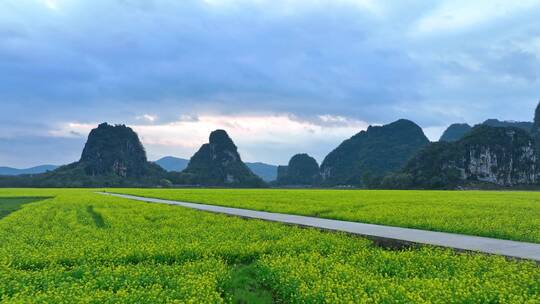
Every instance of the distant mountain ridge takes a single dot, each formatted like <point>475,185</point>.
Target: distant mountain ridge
<point>112,156</point>
<point>494,153</point>
<point>397,155</point>
<point>172,164</point>
<point>372,153</point>
<point>31,170</point>
<point>217,164</point>
<point>176,164</point>
<point>524,125</point>
<point>265,171</point>
<point>457,131</point>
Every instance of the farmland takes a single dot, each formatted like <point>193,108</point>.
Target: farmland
<point>82,247</point>
<point>503,215</point>
<point>11,204</point>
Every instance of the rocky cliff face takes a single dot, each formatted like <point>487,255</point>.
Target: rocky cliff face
<point>113,150</point>
<point>301,170</point>
<point>375,152</point>
<point>499,156</point>
<point>501,166</point>
<point>218,163</point>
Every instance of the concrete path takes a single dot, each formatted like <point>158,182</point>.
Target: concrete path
<point>384,234</point>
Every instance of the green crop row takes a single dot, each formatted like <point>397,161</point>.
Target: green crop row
<point>84,247</point>
<point>504,215</point>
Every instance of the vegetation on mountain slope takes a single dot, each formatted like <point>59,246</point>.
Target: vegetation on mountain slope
<point>217,163</point>
<point>302,170</point>
<point>499,156</point>
<point>371,154</point>
<point>265,171</point>
<point>455,132</point>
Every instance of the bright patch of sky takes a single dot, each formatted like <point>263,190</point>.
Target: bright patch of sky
<point>282,76</point>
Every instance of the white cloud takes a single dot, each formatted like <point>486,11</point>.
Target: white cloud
<point>147,117</point>
<point>452,16</point>
<point>333,118</point>
<point>51,4</point>
<point>328,120</point>
<point>71,130</point>
<point>290,7</point>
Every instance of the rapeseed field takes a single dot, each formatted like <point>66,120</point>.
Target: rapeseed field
<point>78,246</point>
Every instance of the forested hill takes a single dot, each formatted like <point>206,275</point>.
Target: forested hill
<point>372,153</point>
<point>217,163</point>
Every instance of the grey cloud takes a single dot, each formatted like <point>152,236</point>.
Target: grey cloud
<point>114,60</point>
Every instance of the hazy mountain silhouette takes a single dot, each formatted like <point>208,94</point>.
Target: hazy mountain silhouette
<point>176,164</point>
<point>31,170</point>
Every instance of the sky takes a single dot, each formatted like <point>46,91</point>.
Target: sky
<point>280,76</point>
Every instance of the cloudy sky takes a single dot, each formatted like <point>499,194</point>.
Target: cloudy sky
<point>281,76</point>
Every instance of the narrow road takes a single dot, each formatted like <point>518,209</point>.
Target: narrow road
<point>384,234</point>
